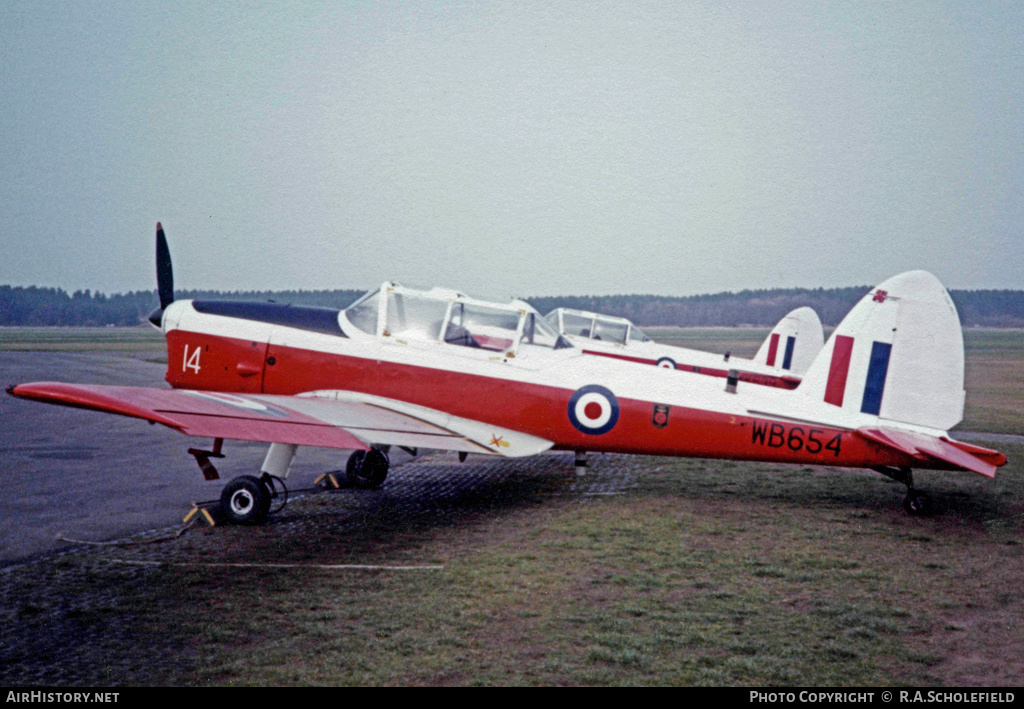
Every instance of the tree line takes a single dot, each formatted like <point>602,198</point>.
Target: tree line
<point>35,306</point>
<point>764,308</point>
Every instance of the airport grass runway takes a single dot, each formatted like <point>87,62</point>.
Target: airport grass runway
<point>646,571</point>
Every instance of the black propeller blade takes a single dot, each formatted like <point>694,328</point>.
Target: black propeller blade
<point>164,272</point>
<point>164,276</point>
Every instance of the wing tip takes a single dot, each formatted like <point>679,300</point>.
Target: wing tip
<point>87,397</point>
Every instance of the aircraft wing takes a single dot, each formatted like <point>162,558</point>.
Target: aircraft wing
<point>332,419</point>
<point>922,446</point>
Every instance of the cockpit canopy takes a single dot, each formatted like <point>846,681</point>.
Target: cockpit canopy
<point>442,315</point>
<point>593,326</point>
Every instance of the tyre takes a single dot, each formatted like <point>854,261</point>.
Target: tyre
<point>367,469</point>
<point>917,503</point>
<point>245,500</point>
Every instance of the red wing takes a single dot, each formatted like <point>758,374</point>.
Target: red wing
<point>210,415</point>
<point>332,420</point>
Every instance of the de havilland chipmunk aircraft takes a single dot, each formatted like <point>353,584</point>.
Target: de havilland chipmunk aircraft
<point>781,361</point>
<point>439,370</point>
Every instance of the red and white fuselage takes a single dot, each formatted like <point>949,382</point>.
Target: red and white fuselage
<point>518,381</point>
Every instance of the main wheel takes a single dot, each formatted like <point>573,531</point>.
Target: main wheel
<point>917,503</point>
<point>367,469</point>
<point>245,500</point>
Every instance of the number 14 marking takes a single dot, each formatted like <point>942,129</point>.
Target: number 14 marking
<point>193,362</point>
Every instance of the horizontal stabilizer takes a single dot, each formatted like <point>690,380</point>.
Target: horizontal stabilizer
<point>922,446</point>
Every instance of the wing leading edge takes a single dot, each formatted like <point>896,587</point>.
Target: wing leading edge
<point>333,419</point>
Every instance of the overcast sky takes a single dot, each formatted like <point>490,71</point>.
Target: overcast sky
<point>512,148</point>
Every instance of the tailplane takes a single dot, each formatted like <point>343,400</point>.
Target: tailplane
<point>931,449</point>
<point>793,343</point>
<point>898,356</point>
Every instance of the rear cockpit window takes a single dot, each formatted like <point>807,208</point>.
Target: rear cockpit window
<point>609,331</point>
<point>577,325</point>
<point>482,327</point>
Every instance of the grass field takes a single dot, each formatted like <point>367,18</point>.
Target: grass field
<point>994,380</point>
<point>81,339</point>
<point>704,575</point>
<point>701,573</point>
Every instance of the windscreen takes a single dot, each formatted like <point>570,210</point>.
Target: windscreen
<point>636,335</point>
<point>538,332</point>
<point>363,313</point>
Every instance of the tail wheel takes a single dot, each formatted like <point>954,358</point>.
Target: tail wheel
<point>917,503</point>
<point>367,469</point>
<point>245,500</point>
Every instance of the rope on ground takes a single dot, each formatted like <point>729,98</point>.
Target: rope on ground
<point>332,567</point>
<point>127,542</point>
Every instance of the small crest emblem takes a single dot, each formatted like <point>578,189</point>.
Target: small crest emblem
<point>660,416</point>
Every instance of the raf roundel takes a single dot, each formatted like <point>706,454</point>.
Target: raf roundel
<point>593,410</point>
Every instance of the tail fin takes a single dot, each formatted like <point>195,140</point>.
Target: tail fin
<point>898,355</point>
<point>793,343</point>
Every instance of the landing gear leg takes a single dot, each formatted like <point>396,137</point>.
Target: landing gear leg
<point>916,502</point>
<point>580,463</point>
<point>367,469</point>
<point>279,460</point>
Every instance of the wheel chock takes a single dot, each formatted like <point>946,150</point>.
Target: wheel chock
<point>329,480</point>
<point>209,512</point>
